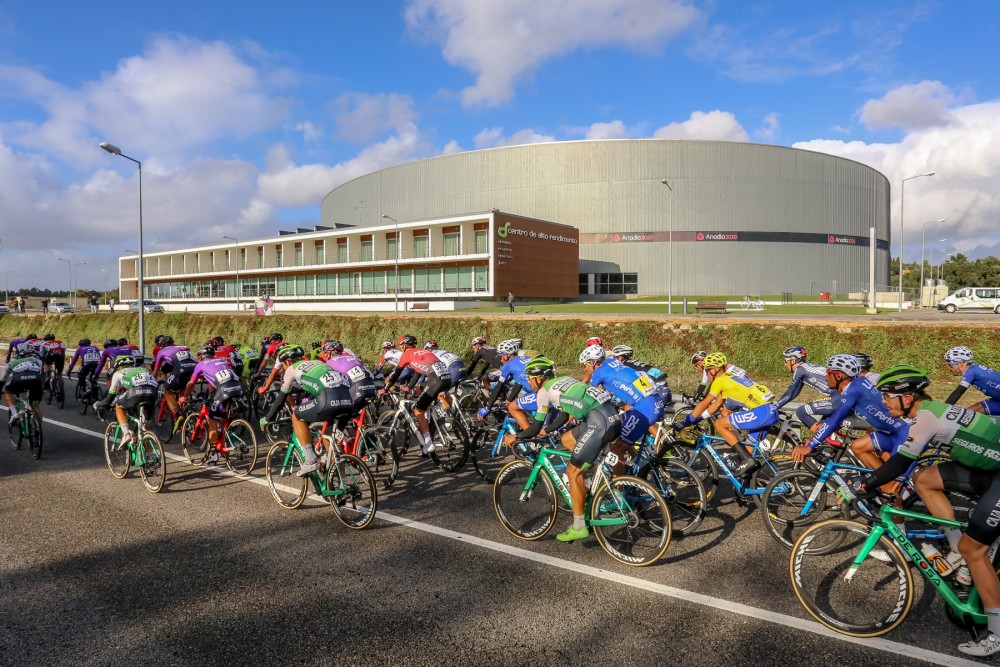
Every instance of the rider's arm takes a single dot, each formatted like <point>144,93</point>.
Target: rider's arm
<point>276,405</point>
<point>498,387</point>
<point>832,423</point>
<point>954,397</point>
<point>794,389</point>
<point>922,431</point>
<point>534,428</point>
<point>72,362</point>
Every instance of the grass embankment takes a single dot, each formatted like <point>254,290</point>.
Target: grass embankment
<point>754,346</point>
<point>642,308</point>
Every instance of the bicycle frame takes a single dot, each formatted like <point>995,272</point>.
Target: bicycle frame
<point>136,452</point>
<point>318,480</point>
<point>704,442</point>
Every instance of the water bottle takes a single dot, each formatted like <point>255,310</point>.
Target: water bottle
<point>934,557</point>
<point>731,462</point>
<point>963,576</point>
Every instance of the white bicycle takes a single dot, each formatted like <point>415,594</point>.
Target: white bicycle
<point>750,303</point>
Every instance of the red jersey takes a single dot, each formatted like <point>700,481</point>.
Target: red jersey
<point>423,362</point>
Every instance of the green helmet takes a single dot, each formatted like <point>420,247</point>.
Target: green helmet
<point>124,361</point>
<point>540,367</point>
<point>903,378</point>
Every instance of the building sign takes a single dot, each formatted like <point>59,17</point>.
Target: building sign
<point>535,258</point>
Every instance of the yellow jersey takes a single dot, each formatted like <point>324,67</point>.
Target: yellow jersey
<point>742,390</point>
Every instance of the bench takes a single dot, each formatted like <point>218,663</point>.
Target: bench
<point>710,305</point>
<point>420,306</point>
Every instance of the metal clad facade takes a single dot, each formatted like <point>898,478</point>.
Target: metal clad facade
<point>614,187</point>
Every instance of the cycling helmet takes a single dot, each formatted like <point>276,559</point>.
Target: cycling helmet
<point>49,336</point>
<point>592,353</point>
<point>478,340</point>
<point>158,338</point>
<point>276,337</point>
<point>334,347</point>
<point>847,364</point>
<point>218,341</point>
<point>903,379</point>
<point>124,361</point>
<point>698,356</point>
<point>315,345</point>
<point>166,341</point>
<point>623,351</point>
<point>796,352</point>
<point>407,339</point>
<point>865,360</point>
<point>388,345</point>
<point>540,367</point>
<point>31,336</point>
<point>206,351</point>
<point>517,341</point>
<point>715,360</point>
<point>290,353</point>
<point>84,342</point>
<point>958,355</point>
<point>123,341</point>
<point>593,340</point>
<point>110,343</point>
<point>24,351</point>
<point>507,347</point>
<point>431,345</point>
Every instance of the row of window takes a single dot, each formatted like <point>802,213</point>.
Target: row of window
<point>609,283</point>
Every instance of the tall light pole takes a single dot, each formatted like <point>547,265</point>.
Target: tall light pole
<point>923,237</point>
<point>114,150</point>
<point>105,271</point>
<point>670,251</point>
<point>389,217</point>
<point>6,286</point>
<point>69,272</point>
<point>941,268</point>
<point>76,282</point>
<point>902,199</point>
<point>239,288</point>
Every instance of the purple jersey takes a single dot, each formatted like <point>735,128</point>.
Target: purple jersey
<point>13,346</point>
<point>349,366</point>
<point>173,356</point>
<point>87,354</point>
<point>214,371</point>
<point>109,354</point>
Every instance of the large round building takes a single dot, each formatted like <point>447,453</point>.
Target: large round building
<point>730,218</point>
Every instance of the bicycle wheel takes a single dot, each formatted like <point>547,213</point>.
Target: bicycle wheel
<point>282,465</point>
<point>14,429</point>
<point>771,467</point>
<point>644,532</point>
<point>34,436</point>
<point>701,462</point>
<point>784,505</point>
<point>526,513</point>
<point>684,492</point>
<point>241,444</point>
<point>377,455</point>
<point>691,433</point>
<point>357,505</point>
<point>194,440</point>
<point>279,430</point>
<point>117,455</point>
<point>488,457</point>
<point>164,423</point>
<point>864,601</point>
<point>48,391</point>
<point>152,465</point>
<point>451,445</point>
<point>82,395</point>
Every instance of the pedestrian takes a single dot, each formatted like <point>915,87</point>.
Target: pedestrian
<point>93,303</point>
<point>111,304</point>
<point>510,300</point>
<point>45,305</point>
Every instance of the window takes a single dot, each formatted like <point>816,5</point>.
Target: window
<point>342,257</point>
<point>298,254</point>
<point>451,242</point>
<point>260,257</point>
<point>421,245</point>
<point>482,242</point>
<point>451,279</point>
<point>319,251</point>
<point>367,249</point>
<point>584,283</point>
<point>278,256</point>
<point>344,283</point>
<point>243,258</point>
<point>616,283</point>
<point>481,278</point>
<point>390,247</point>
<point>985,293</point>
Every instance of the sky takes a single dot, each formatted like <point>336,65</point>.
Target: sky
<point>245,115</point>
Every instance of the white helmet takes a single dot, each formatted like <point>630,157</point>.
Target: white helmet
<point>592,353</point>
<point>847,364</point>
<point>958,355</point>
<point>507,347</point>
<point>622,351</point>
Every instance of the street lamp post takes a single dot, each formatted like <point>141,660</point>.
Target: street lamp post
<point>6,286</point>
<point>902,199</point>
<point>76,282</point>
<point>69,272</point>
<point>389,217</point>
<point>239,287</point>
<point>923,237</point>
<point>105,271</point>
<point>670,251</point>
<point>114,150</point>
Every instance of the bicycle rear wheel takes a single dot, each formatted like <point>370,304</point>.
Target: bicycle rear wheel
<point>451,445</point>
<point>684,492</point>
<point>194,440</point>
<point>701,462</point>
<point>377,455</point>
<point>488,457</point>
<point>357,505</point>
<point>81,397</point>
<point>643,535</point>
<point>783,505</point>
<point>34,436</point>
<point>281,467</point>
<point>152,465</point>
<point>164,423</point>
<point>241,442</point>
<point>115,453</point>
<point>526,513</point>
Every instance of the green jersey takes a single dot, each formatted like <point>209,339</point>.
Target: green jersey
<point>973,438</point>
<point>128,378</point>
<point>571,396</point>
<point>249,355</point>
<point>313,377</point>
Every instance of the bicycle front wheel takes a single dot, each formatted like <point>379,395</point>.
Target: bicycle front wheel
<point>81,397</point>
<point>164,424</point>
<point>784,504</point>
<point>240,447</point>
<point>34,436</point>
<point>356,506</point>
<point>643,533</point>
<point>194,440</point>
<point>684,492</point>
<point>451,445</point>
<point>14,429</point>
<point>283,463</point>
<point>152,465</point>
<point>864,601</point>
<point>115,453</point>
<point>528,513</point>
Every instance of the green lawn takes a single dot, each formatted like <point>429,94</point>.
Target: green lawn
<point>641,308</point>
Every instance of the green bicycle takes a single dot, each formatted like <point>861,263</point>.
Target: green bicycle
<point>25,427</point>
<point>343,480</point>
<point>629,517</point>
<point>144,452</point>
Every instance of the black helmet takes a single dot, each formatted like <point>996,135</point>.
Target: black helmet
<point>31,336</point>
<point>166,341</point>
<point>290,353</point>
<point>84,342</point>
<point>123,341</point>
<point>275,337</point>
<point>49,336</point>
<point>865,360</point>
<point>407,339</point>
<point>334,347</point>
<point>218,341</point>
<point>207,351</point>
<point>110,343</point>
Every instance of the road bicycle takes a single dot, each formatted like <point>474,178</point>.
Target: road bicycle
<point>88,392</point>
<point>451,442</point>
<point>489,453</point>
<point>679,485</point>
<point>236,444</point>
<point>368,443</point>
<point>750,303</point>
<point>342,479</point>
<point>711,466</point>
<point>629,517</point>
<point>52,385</point>
<point>143,451</point>
<point>279,428</point>
<point>26,428</point>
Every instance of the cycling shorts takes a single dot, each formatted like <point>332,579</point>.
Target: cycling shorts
<point>527,402</point>
<point>636,422</point>
<point>143,395</point>
<point>57,360</point>
<point>31,384</point>
<point>888,443</point>
<point>224,393</point>
<point>602,425</point>
<point>758,419</point>
<point>363,391</point>
<point>810,413</point>
<point>86,371</point>
<point>984,484</point>
<point>991,406</point>
<point>434,386</point>
<point>457,372</point>
<point>179,377</point>
<point>326,406</point>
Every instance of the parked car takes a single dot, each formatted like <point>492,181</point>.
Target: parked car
<point>972,298</point>
<point>148,306</point>
<point>61,307</point>
<point>4,308</point>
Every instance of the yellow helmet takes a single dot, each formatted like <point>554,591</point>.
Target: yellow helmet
<point>715,360</point>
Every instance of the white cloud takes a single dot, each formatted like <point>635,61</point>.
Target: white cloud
<point>713,125</point>
<point>912,107</point>
<point>360,117</point>
<point>493,137</point>
<point>310,131</point>
<point>613,130</point>
<point>770,128</point>
<point>501,42</point>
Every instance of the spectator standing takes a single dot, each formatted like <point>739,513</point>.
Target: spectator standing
<point>510,300</point>
<point>45,305</point>
<point>111,304</point>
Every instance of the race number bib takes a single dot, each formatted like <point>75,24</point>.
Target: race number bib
<point>644,385</point>
<point>356,374</point>
<point>331,380</point>
<point>91,357</point>
<point>143,379</point>
<point>447,358</point>
<point>224,376</point>
<point>439,368</point>
<point>183,355</point>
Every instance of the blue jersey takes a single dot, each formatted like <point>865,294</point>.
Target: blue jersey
<point>806,374</point>
<point>626,384</point>
<point>982,378</point>
<point>864,400</point>
<point>513,371</point>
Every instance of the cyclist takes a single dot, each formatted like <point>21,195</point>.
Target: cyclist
<point>437,380</point>
<point>111,352</point>
<point>12,347</point>
<point>24,373</point>
<point>860,397</point>
<point>249,355</point>
<point>328,399</point>
<point>698,359</point>
<point>362,382</point>
<point>806,374</point>
<point>140,358</point>
<point>974,442</point>
<point>157,344</point>
<point>269,351</point>
<point>88,356</point>
<point>866,367</point>
<point>456,368</point>
<point>131,388</point>
<point>173,366</point>
<point>986,380</point>
<point>227,352</point>
<point>35,343</point>
<point>756,410</point>
<point>488,356</point>
<point>634,389</point>
<point>221,378</point>
<point>54,356</point>
<point>623,353</point>
<point>513,381</point>
<point>599,424</point>
<point>390,356</point>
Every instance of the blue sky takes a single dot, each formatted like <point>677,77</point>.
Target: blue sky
<point>246,114</point>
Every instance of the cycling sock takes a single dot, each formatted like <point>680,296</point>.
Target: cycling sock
<point>580,524</point>
<point>953,535</point>
<point>427,439</point>
<point>993,619</point>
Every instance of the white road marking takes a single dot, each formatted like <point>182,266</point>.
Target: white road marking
<point>888,646</point>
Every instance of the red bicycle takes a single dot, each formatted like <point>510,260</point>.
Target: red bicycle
<point>370,444</point>
<point>237,443</point>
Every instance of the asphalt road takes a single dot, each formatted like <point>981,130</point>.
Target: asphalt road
<point>98,571</point>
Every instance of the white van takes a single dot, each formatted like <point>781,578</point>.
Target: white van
<point>972,298</point>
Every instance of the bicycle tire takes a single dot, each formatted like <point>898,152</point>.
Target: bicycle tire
<point>783,502</point>
<point>194,440</point>
<point>356,507</point>
<point>279,430</point>
<point>163,425</point>
<point>488,457</point>
<point>451,445</point>
<point>287,488</point>
<point>645,534</point>
<point>81,398</point>
<point>152,466</point>
<point>117,456</point>
<point>240,439</point>
<point>763,475</point>
<point>47,391</point>
<point>377,455</point>
<point>14,430</point>
<point>701,462</point>
<point>526,513</point>
<point>686,496</point>
<point>35,437</point>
